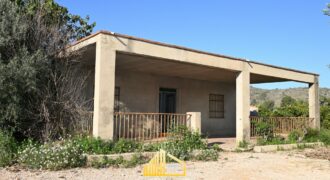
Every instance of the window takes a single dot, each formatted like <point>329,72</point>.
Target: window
<point>117,98</point>
<point>216,106</point>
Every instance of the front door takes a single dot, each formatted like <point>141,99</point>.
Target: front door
<point>167,100</point>
<point>167,104</point>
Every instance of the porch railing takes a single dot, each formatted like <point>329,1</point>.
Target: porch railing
<point>282,125</point>
<point>147,126</point>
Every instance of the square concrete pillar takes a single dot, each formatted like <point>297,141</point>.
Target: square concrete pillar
<point>243,105</point>
<point>195,119</point>
<point>104,90</point>
<point>314,103</point>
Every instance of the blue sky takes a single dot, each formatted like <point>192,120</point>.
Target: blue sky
<point>293,34</point>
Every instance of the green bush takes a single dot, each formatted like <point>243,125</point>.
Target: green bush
<point>207,155</point>
<point>295,136</point>
<point>124,146</point>
<point>264,129</point>
<point>8,148</point>
<point>151,147</point>
<point>325,113</point>
<point>91,145</point>
<point>324,136</point>
<point>181,142</point>
<point>312,135</point>
<point>52,156</point>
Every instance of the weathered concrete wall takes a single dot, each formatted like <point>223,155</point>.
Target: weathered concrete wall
<point>139,92</point>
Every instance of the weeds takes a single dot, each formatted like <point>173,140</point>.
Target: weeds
<point>8,148</point>
<point>135,160</point>
<point>207,155</point>
<point>243,144</point>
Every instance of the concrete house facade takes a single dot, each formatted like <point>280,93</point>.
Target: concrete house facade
<point>131,74</point>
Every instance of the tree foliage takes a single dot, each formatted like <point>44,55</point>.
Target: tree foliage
<point>266,108</point>
<point>32,34</point>
<point>291,107</point>
<point>325,112</point>
<point>326,11</point>
<point>287,101</point>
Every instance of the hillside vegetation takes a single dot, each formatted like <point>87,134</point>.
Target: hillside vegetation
<point>258,95</point>
<point>290,103</point>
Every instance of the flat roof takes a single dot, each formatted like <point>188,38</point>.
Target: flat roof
<point>184,48</point>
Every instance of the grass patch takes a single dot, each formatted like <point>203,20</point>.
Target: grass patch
<point>243,144</point>
<point>135,160</point>
<point>207,155</point>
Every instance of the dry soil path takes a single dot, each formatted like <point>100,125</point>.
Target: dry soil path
<point>279,165</point>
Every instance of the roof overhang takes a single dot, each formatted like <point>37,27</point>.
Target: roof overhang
<point>146,50</point>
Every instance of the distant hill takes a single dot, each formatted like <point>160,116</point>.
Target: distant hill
<point>259,95</point>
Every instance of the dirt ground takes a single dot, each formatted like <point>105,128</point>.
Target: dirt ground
<point>298,164</point>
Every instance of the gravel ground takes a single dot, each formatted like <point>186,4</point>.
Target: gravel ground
<point>298,164</point>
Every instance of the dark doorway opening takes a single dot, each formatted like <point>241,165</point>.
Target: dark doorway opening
<point>167,104</point>
<point>167,100</point>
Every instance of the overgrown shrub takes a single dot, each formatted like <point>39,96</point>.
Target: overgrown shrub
<point>91,145</point>
<point>181,142</point>
<point>324,136</point>
<point>124,146</point>
<point>152,147</point>
<point>265,130</point>
<point>312,135</point>
<point>325,112</point>
<point>295,135</point>
<point>8,148</point>
<point>52,156</point>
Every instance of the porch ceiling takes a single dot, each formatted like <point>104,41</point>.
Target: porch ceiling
<point>151,65</point>
<point>128,62</point>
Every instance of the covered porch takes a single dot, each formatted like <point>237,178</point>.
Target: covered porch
<point>142,88</point>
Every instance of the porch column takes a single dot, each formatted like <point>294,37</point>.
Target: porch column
<point>243,105</point>
<point>314,103</point>
<point>195,119</point>
<point>105,64</point>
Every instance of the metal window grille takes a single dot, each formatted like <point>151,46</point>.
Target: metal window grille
<point>216,106</point>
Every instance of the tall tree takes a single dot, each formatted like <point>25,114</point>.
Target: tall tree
<point>32,35</point>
